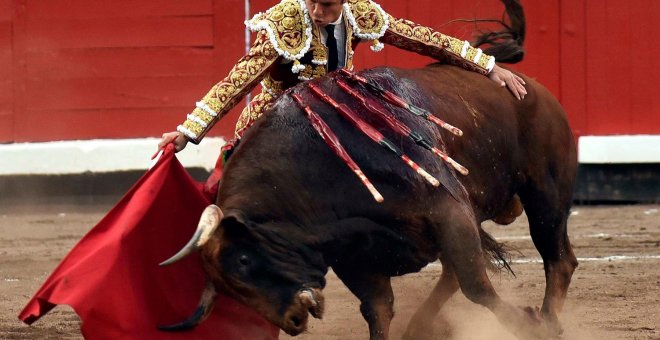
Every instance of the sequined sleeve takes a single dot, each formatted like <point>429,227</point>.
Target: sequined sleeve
<point>243,77</point>
<point>410,36</point>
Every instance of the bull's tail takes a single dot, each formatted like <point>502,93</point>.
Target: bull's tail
<point>506,45</point>
<point>496,254</point>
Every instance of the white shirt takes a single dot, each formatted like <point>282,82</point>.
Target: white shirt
<point>340,35</point>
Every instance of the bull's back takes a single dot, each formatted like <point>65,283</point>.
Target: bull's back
<point>506,141</point>
<point>501,138</point>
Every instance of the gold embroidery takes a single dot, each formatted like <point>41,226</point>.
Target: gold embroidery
<point>402,26</point>
<point>272,86</point>
<point>320,54</point>
<point>319,71</point>
<point>224,95</point>
<point>306,74</point>
<point>255,109</point>
<point>288,28</point>
<point>471,53</point>
<point>423,40</point>
<point>319,50</point>
<point>368,17</point>
<point>317,67</point>
<point>456,47</point>
<point>349,44</point>
<point>484,61</point>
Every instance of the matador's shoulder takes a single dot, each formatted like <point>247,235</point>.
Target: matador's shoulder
<point>368,19</point>
<point>288,26</point>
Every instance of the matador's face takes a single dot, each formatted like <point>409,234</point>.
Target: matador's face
<point>324,12</point>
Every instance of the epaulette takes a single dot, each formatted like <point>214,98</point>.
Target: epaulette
<point>368,19</point>
<point>289,29</point>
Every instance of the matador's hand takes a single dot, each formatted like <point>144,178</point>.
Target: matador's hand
<point>506,78</point>
<point>177,138</point>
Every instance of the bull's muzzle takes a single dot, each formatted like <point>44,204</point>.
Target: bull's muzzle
<point>208,224</point>
<point>307,301</point>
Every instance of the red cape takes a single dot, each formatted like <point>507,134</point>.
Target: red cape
<point>112,280</point>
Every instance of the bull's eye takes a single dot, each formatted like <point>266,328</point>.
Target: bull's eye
<point>244,260</point>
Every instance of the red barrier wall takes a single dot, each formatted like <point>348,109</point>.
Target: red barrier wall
<point>80,69</point>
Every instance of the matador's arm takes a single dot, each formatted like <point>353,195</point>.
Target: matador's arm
<point>410,36</point>
<point>245,75</point>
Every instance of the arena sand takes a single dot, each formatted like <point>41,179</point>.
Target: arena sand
<point>615,293</point>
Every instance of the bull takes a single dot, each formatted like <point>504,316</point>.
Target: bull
<point>288,209</point>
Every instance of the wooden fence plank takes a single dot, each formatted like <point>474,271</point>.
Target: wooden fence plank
<point>542,44</point>
<point>5,10</point>
<point>6,50</point>
<point>6,126</point>
<point>6,92</point>
<point>120,32</point>
<point>229,36</point>
<point>573,55</point>
<point>51,125</point>
<point>5,36</point>
<point>119,62</point>
<point>102,93</point>
<point>75,9</point>
<point>644,71</point>
<point>6,67</point>
<point>18,63</point>
<point>608,93</point>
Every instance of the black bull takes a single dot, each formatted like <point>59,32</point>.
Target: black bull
<point>289,208</point>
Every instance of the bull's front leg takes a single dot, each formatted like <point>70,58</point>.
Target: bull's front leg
<point>421,324</point>
<point>376,300</point>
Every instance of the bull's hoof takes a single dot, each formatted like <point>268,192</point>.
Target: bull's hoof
<point>427,329</point>
<point>525,323</point>
<point>533,313</point>
<point>553,324</point>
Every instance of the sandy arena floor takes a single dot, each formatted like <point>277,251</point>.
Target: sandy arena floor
<point>615,292</point>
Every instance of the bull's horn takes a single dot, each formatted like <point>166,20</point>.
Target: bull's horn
<point>203,310</point>
<point>208,223</point>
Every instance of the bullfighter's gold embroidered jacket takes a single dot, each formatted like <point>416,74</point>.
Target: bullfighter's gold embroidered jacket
<point>288,49</point>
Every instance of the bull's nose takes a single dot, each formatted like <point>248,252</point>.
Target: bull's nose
<point>296,322</point>
<point>295,325</point>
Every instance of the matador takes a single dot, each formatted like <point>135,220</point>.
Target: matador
<point>299,40</point>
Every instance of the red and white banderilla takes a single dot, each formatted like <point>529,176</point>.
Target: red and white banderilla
<point>399,126</point>
<point>400,102</point>
<point>333,142</point>
<point>372,133</point>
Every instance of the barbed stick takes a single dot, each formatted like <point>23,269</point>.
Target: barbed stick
<point>333,142</point>
<point>400,102</point>
<point>372,133</point>
<point>400,127</point>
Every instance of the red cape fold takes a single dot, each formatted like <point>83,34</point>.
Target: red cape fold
<point>112,280</point>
